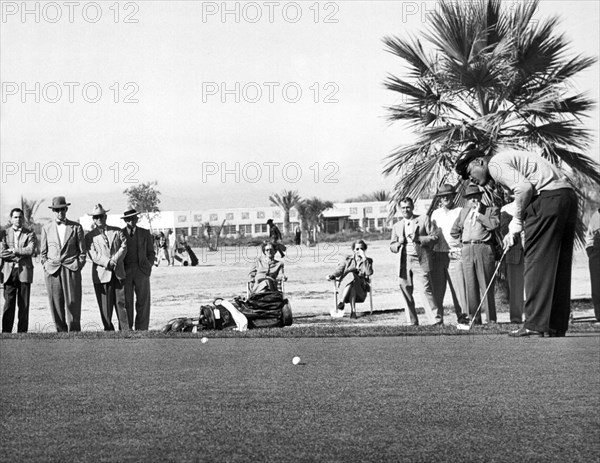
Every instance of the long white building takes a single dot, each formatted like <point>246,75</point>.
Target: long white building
<point>365,216</point>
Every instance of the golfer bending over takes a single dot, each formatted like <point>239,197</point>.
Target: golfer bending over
<point>546,210</point>
<point>265,270</point>
<point>353,272</point>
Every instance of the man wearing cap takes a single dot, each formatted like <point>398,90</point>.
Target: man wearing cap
<point>413,237</point>
<point>275,237</point>
<point>475,227</point>
<point>447,263</point>
<point>138,267</point>
<point>63,254</point>
<point>546,210</point>
<point>107,248</point>
<point>17,247</point>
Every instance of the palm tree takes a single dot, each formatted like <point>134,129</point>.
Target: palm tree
<point>285,201</point>
<point>310,212</point>
<point>378,195</point>
<point>30,208</point>
<point>489,75</point>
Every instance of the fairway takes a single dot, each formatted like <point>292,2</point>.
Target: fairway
<point>405,398</point>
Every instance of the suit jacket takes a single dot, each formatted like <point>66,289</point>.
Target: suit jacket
<point>72,252</point>
<point>144,253</point>
<point>351,265</point>
<point>24,248</point>
<point>425,237</point>
<point>489,217</point>
<point>104,256</point>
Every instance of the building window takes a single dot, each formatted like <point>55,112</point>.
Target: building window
<point>229,216</point>
<point>371,223</point>
<point>244,229</point>
<point>260,214</point>
<point>380,223</point>
<point>196,231</point>
<point>197,217</point>
<point>260,228</point>
<point>354,224</point>
<point>245,215</point>
<point>383,208</point>
<point>368,210</point>
<point>214,217</point>
<point>229,230</point>
<point>354,210</point>
<point>182,218</point>
<point>179,232</point>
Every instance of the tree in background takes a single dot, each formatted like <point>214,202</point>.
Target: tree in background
<point>487,76</point>
<point>310,212</point>
<point>30,208</point>
<point>144,198</point>
<point>379,195</point>
<point>285,201</point>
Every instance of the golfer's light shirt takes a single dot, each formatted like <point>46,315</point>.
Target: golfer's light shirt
<point>526,175</point>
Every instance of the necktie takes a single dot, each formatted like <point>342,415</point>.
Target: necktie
<point>103,231</point>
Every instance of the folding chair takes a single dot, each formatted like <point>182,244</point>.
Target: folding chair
<point>335,313</point>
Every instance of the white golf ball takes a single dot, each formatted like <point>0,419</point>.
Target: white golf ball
<point>204,340</point>
<point>296,360</point>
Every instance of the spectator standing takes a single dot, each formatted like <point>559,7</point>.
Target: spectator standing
<point>592,247</point>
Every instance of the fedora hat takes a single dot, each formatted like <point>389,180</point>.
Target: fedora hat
<point>59,202</point>
<point>98,210</point>
<point>472,190</point>
<point>129,214</point>
<point>446,190</point>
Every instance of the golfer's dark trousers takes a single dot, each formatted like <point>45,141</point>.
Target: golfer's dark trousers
<point>478,266</point>
<point>516,284</point>
<point>548,252</point>
<point>594,261</point>
<point>16,293</point>
<point>112,295</point>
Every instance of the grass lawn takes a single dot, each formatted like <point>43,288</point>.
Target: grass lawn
<point>97,397</point>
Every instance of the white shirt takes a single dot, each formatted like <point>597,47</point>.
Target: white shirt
<point>62,230</point>
<point>444,219</point>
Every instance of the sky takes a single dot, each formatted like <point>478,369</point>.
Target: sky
<point>221,103</point>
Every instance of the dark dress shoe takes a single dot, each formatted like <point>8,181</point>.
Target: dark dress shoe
<point>340,306</point>
<point>524,332</point>
<point>556,333</point>
<point>438,322</point>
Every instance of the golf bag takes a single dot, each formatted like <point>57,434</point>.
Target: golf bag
<point>266,309</point>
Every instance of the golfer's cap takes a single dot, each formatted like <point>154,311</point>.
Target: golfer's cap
<point>464,160</point>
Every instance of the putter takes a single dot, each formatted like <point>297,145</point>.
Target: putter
<point>468,327</point>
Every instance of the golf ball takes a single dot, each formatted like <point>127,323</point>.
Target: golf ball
<point>204,340</point>
<point>296,360</point>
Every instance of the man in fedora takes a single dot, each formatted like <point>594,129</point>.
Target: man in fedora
<point>475,227</point>
<point>107,248</point>
<point>546,210</point>
<point>17,247</point>
<point>138,267</point>
<point>275,238</point>
<point>447,260</point>
<point>63,254</point>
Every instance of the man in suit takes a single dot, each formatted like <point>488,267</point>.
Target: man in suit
<point>138,267</point>
<point>18,245</point>
<point>475,227</point>
<point>107,248</point>
<point>592,247</point>
<point>413,237</point>
<point>63,256</point>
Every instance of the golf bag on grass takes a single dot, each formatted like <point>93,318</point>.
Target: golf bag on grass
<point>262,310</point>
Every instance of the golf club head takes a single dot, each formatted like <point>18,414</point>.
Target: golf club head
<point>462,327</point>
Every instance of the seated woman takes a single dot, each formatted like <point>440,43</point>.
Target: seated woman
<point>265,270</point>
<point>353,272</point>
